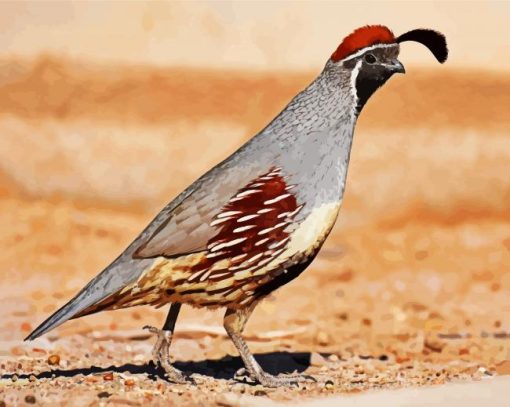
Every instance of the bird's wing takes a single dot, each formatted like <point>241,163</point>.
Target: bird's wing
<point>249,241</point>
<point>250,230</point>
<point>186,228</point>
<point>214,220</point>
<point>241,220</point>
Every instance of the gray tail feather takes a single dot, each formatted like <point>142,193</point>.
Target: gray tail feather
<point>81,301</point>
<point>57,318</point>
<point>113,278</point>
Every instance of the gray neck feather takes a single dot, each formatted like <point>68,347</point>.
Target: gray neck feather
<point>311,138</point>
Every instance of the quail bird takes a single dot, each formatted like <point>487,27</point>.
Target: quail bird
<point>256,220</point>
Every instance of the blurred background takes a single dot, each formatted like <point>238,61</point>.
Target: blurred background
<point>110,109</point>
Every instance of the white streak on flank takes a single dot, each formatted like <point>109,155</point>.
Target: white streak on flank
<point>266,261</point>
<point>296,210</point>
<point>235,199</point>
<point>277,199</point>
<point>227,244</point>
<point>243,228</point>
<point>245,300</point>
<point>218,221</point>
<point>247,217</point>
<point>290,214</point>
<point>239,257</point>
<point>265,210</point>
<point>278,244</point>
<point>235,268</point>
<point>205,275</point>
<point>261,241</point>
<point>278,252</point>
<point>290,187</point>
<point>266,178</point>
<point>195,275</point>
<point>247,192</point>
<point>257,184</point>
<point>252,259</point>
<point>279,225</point>
<point>213,255</point>
<point>363,50</point>
<point>211,245</point>
<point>228,213</point>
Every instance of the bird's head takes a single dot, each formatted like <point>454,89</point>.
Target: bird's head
<point>370,54</point>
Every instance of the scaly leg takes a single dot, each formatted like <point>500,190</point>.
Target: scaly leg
<point>234,322</point>
<point>160,352</point>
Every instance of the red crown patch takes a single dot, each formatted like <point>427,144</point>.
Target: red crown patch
<point>361,38</point>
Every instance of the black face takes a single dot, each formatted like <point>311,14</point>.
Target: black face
<point>374,67</point>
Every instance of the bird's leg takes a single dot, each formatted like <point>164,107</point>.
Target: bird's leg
<point>234,322</point>
<point>160,352</point>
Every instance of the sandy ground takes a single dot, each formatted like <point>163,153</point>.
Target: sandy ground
<point>412,288</point>
<point>494,392</point>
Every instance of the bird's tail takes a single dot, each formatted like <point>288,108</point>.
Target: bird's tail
<point>112,279</point>
<point>68,311</point>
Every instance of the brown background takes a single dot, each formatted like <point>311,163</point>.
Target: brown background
<point>108,110</point>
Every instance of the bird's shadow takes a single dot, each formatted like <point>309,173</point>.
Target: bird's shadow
<point>224,368</point>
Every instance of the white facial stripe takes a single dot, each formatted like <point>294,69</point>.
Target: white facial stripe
<point>354,75</point>
<point>363,50</point>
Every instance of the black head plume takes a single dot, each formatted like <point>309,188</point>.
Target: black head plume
<point>433,40</point>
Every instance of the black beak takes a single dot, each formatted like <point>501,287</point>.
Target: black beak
<point>396,67</point>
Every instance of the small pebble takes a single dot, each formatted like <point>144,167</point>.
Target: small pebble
<point>260,393</point>
<point>322,338</point>
<point>53,360</point>
<point>103,395</point>
<point>108,376</point>
<point>329,385</point>
<point>316,359</point>
<point>333,358</point>
<point>14,378</point>
<point>32,378</point>
<point>30,399</point>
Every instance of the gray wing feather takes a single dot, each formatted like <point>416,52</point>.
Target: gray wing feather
<point>185,230</point>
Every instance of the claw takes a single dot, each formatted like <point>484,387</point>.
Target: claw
<point>151,329</point>
<point>160,354</point>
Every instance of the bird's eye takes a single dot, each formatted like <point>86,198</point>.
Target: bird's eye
<point>369,58</point>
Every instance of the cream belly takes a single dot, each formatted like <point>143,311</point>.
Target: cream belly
<point>311,233</point>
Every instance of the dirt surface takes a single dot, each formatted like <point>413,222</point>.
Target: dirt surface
<point>493,391</point>
<point>411,289</point>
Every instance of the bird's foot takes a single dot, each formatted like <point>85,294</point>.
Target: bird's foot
<point>161,355</point>
<point>268,380</point>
